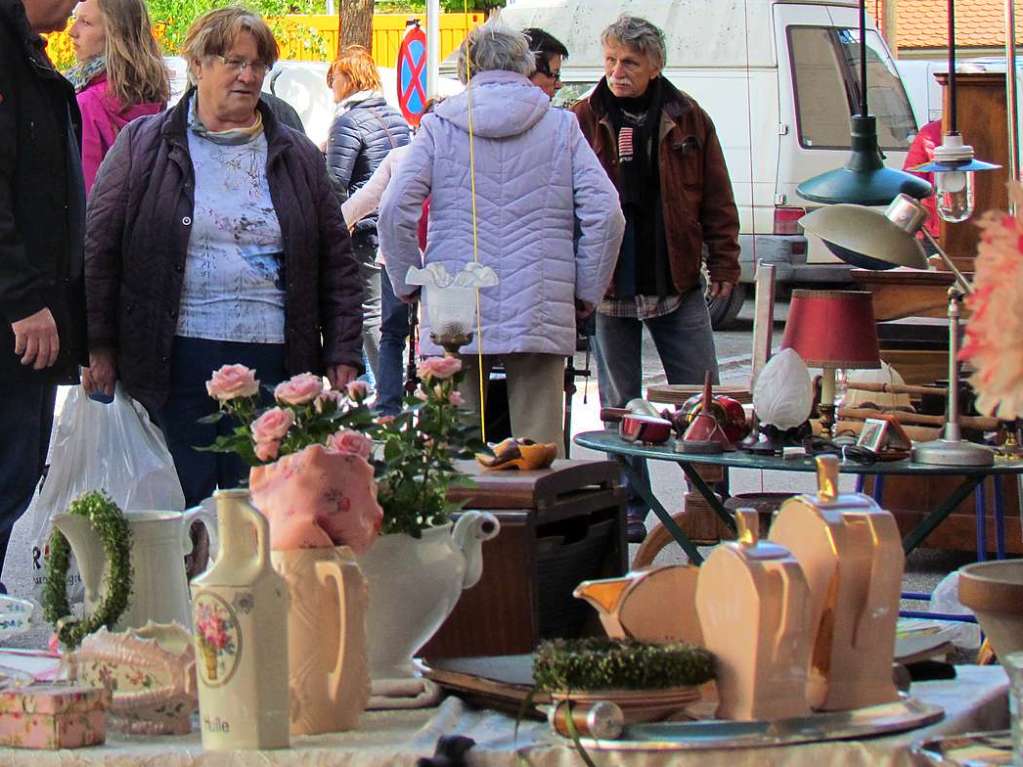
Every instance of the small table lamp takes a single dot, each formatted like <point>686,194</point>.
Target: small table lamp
<point>832,329</point>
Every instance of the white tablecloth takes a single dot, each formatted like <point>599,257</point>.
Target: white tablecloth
<point>976,700</point>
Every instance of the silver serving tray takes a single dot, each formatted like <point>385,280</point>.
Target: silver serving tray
<point>905,714</point>
<point>972,749</point>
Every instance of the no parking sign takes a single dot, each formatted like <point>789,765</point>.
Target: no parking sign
<point>412,75</point>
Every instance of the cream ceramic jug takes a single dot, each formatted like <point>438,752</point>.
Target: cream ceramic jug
<point>850,550</point>
<point>754,608</point>
<point>159,542</point>
<point>240,612</point>
<point>328,668</point>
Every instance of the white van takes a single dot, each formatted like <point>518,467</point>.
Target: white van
<point>780,80</point>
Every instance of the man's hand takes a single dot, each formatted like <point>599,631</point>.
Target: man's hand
<point>101,373</point>
<point>720,289</point>
<point>36,340</point>
<point>341,375</point>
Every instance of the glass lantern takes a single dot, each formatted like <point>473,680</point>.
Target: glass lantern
<point>450,302</point>
<point>954,167</point>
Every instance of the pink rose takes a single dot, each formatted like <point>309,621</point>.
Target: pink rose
<point>267,451</point>
<point>358,390</point>
<point>299,390</point>
<point>329,395</point>
<point>272,425</point>
<point>438,368</point>
<point>232,381</point>
<point>351,442</point>
<point>456,398</point>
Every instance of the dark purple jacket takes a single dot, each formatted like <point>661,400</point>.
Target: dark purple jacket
<point>138,224</point>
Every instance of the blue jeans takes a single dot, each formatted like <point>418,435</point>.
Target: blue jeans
<point>685,343</point>
<point>192,362</point>
<point>26,417</point>
<point>394,332</point>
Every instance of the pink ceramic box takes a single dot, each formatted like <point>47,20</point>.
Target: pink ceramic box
<point>53,716</point>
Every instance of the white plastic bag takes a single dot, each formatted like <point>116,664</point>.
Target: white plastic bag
<point>945,599</point>
<point>93,446</point>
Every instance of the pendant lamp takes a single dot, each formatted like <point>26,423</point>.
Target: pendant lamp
<point>864,180</point>
<point>954,165</point>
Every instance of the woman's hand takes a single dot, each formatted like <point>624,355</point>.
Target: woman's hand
<point>341,375</point>
<point>101,375</point>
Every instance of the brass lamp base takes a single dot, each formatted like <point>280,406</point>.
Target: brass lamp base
<point>451,342</point>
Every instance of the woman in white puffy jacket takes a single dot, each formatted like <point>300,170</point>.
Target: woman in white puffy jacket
<point>548,221</point>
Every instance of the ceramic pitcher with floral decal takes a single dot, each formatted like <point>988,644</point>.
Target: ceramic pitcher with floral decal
<point>239,615</point>
<point>328,667</point>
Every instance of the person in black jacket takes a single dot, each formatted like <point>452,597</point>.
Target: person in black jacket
<point>42,213</point>
<point>365,130</point>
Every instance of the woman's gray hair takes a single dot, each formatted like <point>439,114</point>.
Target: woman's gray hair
<point>494,45</point>
<point>640,35</point>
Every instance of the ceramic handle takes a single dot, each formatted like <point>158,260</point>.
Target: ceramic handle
<point>209,521</point>
<point>329,569</point>
<point>258,521</point>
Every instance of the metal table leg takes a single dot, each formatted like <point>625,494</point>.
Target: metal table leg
<point>999,520</point>
<point>708,495</point>
<point>926,526</point>
<point>643,488</point>
<point>980,516</point>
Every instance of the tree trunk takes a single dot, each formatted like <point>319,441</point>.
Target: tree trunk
<point>355,24</point>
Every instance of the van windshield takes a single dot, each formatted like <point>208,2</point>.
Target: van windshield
<point>825,65</point>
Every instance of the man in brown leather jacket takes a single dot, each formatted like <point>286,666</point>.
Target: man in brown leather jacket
<point>662,152</point>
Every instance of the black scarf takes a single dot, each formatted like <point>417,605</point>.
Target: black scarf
<point>643,267</point>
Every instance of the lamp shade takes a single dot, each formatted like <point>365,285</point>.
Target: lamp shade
<point>832,329</point>
<point>864,180</point>
<point>868,239</point>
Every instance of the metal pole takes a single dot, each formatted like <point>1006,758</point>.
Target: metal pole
<point>432,47</point>
<point>1010,87</point>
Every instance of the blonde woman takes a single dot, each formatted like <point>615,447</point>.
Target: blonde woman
<point>365,130</point>
<point>120,74</point>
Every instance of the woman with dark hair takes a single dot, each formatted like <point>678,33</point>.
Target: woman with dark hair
<point>214,237</point>
<point>549,53</point>
<point>120,74</point>
<point>365,130</point>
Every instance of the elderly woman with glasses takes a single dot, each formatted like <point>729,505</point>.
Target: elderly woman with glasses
<point>526,188</point>
<point>214,237</point>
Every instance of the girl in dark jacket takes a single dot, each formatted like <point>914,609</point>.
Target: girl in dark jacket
<point>365,130</point>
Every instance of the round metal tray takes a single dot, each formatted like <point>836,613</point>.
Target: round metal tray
<point>899,716</point>
<point>972,749</point>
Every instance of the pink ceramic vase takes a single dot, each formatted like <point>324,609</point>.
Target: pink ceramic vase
<point>318,498</point>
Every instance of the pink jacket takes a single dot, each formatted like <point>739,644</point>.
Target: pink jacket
<point>102,119</point>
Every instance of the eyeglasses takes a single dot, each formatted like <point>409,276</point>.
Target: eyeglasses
<point>237,66</point>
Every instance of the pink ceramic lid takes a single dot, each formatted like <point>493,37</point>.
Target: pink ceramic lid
<point>53,699</point>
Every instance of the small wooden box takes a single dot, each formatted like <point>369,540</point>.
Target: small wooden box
<point>53,717</point>
<point>559,526</point>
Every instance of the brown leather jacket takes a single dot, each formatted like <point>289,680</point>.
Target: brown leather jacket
<point>695,189</point>
<point>137,231</point>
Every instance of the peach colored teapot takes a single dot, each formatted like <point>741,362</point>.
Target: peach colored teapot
<point>850,551</point>
<point>754,608</point>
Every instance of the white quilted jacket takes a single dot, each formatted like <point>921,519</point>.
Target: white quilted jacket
<point>549,222</point>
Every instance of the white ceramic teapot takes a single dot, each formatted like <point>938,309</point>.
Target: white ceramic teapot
<point>159,542</point>
<point>414,585</point>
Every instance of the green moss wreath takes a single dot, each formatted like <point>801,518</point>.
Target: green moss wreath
<point>115,535</point>
<point>598,663</point>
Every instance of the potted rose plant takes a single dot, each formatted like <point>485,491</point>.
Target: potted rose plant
<point>312,479</point>
<point>419,567</point>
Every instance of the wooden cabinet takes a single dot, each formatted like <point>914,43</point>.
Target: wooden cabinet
<point>559,526</point>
